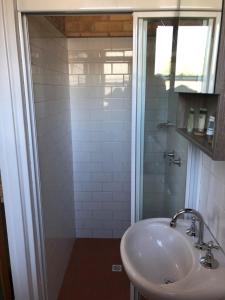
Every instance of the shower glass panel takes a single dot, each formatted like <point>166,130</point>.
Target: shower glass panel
<point>158,186</point>
<point>173,54</point>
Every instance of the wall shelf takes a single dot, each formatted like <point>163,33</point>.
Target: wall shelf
<point>199,141</point>
<point>214,103</point>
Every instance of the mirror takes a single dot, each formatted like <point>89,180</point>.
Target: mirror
<point>197,45</point>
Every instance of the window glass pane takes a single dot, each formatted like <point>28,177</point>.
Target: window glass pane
<point>164,36</point>
<point>192,51</point>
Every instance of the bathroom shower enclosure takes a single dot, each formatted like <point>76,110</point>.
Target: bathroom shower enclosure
<point>81,106</point>
<point>154,178</point>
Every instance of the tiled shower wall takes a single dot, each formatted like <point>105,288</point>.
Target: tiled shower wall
<point>49,58</point>
<point>100,93</point>
<point>212,196</point>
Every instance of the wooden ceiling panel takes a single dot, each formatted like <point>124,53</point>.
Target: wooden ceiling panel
<point>94,25</point>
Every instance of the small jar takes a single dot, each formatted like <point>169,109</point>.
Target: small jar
<point>211,129</point>
<point>190,122</point>
<point>201,120</point>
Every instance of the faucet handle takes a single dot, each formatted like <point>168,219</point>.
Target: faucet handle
<point>208,261</point>
<point>210,245</point>
<point>207,246</point>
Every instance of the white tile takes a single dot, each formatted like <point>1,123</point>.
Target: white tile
<point>83,196</point>
<point>117,206</point>
<point>78,68</point>
<point>102,215</point>
<point>122,215</point>
<point>101,132</point>
<point>84,233</point>
<point>107,68</point>
<point>89,146</point>
<point>218,169</point>
<point>112,186</point>
<point>83,214</point>
<point>122,43</point>
<point>122,176</point>
<point>122,196</point>
<point>120,68</point>
<point>88,205</point>
<point>126,186</point>
<point>82,176</point>
<point>100,156</point>
<point>89,223</point>
<point>212,195</point>
<point>87,167</point>
<point>101,177</point>
<point>88,186</point>
<point>99,43</point>
<point>102,196</point>
<point>78,44</point>
<point>82,156</point>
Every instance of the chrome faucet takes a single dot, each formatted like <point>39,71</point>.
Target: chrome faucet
<point>200,243</point>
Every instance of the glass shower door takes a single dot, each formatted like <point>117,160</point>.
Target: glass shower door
<point>163,68</point>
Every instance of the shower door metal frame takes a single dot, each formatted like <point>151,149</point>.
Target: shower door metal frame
<point>18,168</point>
<point>33,148</point>
<point>138,99</point>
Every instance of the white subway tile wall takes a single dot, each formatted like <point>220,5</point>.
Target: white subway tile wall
<point>212,196</point>
<point>49,58</point>
<point>100,94</point>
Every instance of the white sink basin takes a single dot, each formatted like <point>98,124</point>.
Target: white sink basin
<point>162,263</point>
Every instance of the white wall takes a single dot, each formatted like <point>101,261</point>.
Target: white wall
<point>212,196</point>
<point>49,57</point>
<point>100,78</point>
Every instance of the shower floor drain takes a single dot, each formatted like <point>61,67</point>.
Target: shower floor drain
<point>168,281</point>
<point>116,268</point>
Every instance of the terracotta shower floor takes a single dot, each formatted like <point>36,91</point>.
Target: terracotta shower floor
<point>89,275</point>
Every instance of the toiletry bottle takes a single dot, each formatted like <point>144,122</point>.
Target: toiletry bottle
<point>201,120</point>
<point>211,129</point>
<point>190,122</point>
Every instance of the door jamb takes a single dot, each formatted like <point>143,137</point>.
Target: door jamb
<point>17,163</point>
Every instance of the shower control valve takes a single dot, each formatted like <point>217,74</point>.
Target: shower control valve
<point>176,162</point>
<point>169,154</point>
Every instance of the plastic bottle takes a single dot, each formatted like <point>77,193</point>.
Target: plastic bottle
<point>211,129</point>
<point>190,122</point>
<point>201,120</point>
